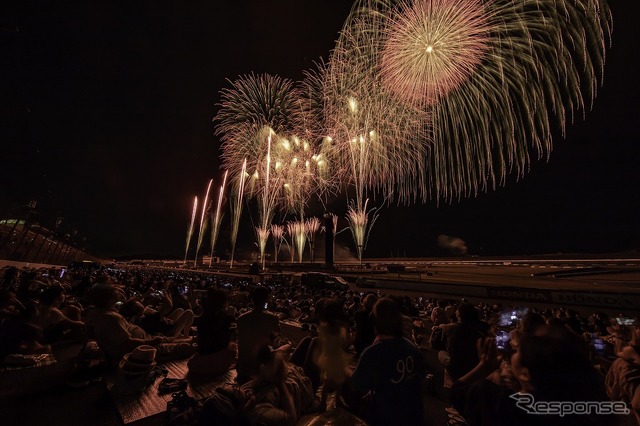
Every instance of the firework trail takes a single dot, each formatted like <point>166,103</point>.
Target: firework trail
<point>217,219</point>
<point>277,233</point>
<point>237,209</point>
<point>312,226</point>
<point>334,219</point>
<point>190,229</point>
<point>203,222</point>
<point>491,78</point>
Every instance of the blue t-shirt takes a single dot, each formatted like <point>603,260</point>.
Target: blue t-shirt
<point>394,370</point>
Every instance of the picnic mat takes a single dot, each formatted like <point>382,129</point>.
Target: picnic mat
<point>138,406</point>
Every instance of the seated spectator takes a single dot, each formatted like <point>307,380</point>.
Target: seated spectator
<point>623,378</point>
<point>393,370</point>
<point>365,331</point>
<point>17,334</point>
<point>160,317</point>
<point>531,323</point>
<point>113,332</point>
<point>439,314</point>
<point>334,359</point>
<point>217,349</point>
<point>551,366</point>
<point>54,323</point>
<point>256,329</point>
<point>282,392</point>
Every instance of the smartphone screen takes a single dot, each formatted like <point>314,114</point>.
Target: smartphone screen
<point>625,321</point>
<point>598,346</point>
<point>502,340</point>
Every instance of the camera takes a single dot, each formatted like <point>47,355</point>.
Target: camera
<point>625,321</point>
<point>510,317</point>
<point>502,340</point>
<point>599,346</point>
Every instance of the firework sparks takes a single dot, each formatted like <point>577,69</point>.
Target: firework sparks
<point>217,219</point>
<point>252,110</point>
<point>312,226</point>
<point>361,221</point>
<point>190,229</point>
<point>298,235</point>
<point>490,77</point>
<point>419,99</point>
<point>431,47</point>
<point>263,237</point>
<point>277,234</point>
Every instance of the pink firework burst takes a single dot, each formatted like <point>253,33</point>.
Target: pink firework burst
<point>431,47</point>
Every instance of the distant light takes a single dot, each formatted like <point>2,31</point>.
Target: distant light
<point>353,104</point>
<point>429,49</point>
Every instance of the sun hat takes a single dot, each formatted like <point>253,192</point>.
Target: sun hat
<point>139,361</point>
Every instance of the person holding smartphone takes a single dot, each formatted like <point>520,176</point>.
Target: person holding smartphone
<point>256,329</point>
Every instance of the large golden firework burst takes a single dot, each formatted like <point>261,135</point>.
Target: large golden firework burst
<point>493,78</point>
<point>431,47</point>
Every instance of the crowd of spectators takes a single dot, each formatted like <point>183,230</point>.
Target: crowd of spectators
<point>365,348</point>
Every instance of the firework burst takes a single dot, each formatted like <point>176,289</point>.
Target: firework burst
<point>252,110</point>
<point>490,77</point>
<point>431,47</point>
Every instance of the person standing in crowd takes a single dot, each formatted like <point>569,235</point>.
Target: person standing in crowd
<point>217,349</point>
<point>365,330</point>
<point>256,329</point>
<point>461,340</point>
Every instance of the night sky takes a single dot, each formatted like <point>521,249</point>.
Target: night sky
<point>106,122</point>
